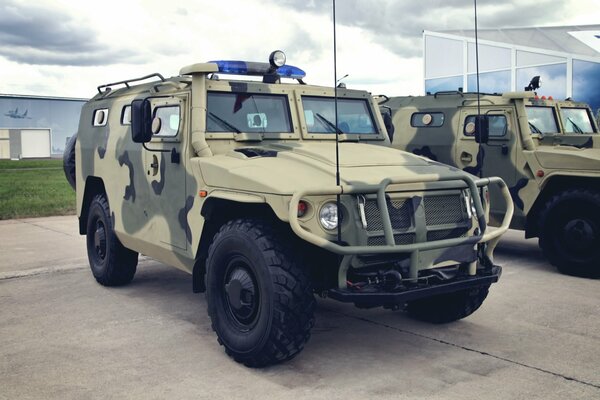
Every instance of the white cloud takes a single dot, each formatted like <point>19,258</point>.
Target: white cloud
<point>114,40</point>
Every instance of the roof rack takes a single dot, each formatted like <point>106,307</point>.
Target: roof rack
<point>128,81</point>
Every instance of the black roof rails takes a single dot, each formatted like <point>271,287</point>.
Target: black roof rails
<point>447,92</point>
<point>128,81</point>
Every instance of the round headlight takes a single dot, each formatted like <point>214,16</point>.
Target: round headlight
<point>277,58</point>
<point>328,216</point>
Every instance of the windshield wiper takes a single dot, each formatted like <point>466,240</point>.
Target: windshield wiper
<point>329,124</point>
<point>224,123</point>
<point>576,127</point>
<point>534,128</point>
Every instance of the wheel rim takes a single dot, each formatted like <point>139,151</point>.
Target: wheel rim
<point>241,293</point>
<point>100,240</point>
<point>579,238</point>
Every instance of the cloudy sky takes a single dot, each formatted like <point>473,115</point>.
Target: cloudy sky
<point>69,47</point>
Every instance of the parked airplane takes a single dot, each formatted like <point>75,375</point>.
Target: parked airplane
<point>15,114</point>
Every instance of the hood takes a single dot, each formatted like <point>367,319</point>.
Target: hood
<point>289,167</point>
<point>568,157</point>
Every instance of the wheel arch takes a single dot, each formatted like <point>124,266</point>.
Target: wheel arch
<point>555,185</point>
<point>216,212</point>
<point>93,186</point>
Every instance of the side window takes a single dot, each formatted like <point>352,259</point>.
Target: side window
<point>169,121</point>
<point>126,115</point>
<point>427,120</point>
<point>498,126</point>
<point>100,117</point>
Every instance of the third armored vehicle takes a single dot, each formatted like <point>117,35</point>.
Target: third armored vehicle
<point>236,182</point>
<point>547,151</point>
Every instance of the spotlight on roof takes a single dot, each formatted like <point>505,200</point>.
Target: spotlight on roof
<point>535,83</point>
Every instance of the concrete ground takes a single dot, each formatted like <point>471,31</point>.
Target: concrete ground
<point>63,336</point>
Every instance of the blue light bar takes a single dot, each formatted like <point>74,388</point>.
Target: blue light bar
<point>257,69</point>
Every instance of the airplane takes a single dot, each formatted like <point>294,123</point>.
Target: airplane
<point>15,114</point>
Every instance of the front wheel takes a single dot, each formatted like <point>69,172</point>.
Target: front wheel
<point>259,300</point>
<point>449,307</point>
<point>570,232</point>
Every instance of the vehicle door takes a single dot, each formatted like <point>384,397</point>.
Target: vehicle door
<point>165,169</point>
<point>498,157</point>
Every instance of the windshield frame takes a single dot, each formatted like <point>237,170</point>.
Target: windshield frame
<point>378,134</point>
<point>565,122</point>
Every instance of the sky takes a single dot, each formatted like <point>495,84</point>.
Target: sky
<point>67,48</point>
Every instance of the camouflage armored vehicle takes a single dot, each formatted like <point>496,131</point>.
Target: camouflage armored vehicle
<point>234,181</point>
<point>547,152</point>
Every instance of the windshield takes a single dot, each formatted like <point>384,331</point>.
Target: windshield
<point>247,112</point>
<point>542,119</point>
<point>353,115</point>
<point>576,120</point>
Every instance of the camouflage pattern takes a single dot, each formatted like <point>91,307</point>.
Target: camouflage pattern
<point>531,163</point>
<point>160,204</point>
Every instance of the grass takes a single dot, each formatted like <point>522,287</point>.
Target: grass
<point>34,188</point>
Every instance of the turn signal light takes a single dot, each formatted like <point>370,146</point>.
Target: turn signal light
<point>302,209</point>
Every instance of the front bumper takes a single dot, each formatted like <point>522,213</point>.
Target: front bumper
<point>484,277</point>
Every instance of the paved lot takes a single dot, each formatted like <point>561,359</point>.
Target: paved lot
<point>62,336</point>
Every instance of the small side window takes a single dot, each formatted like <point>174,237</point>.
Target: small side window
<point>498,126</point>
<point>100,117</point>
<point>126,115</point>
<point>427,120</point>
<point>169,121</point>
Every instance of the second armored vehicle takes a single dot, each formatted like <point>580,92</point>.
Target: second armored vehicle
<point>547,151</point>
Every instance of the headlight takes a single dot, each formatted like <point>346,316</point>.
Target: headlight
<point>328,216</point>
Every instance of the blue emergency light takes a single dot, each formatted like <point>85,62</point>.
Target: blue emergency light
<point>260,68</point>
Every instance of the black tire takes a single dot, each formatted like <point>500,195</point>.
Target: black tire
<point>570,232</point>
<point>69,160</point>
<point>112,264</point>
<point>448,307</point>
<point>259,300</point>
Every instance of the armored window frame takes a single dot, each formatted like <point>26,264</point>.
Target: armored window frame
<point>126,115</point>
<point>493,132</point>
<point>420,119</point>
<point>347,120</point>
<point>173,132</point>
<point>100,117</point>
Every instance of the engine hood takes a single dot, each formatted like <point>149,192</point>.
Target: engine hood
<point>568,157</point>
<point>287,168</point>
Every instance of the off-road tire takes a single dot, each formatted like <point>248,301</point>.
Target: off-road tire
<point>570,232</point>
<point>448,307</point>
<point>268,318</point>
<point>69,160</point>
<point>111,263</point>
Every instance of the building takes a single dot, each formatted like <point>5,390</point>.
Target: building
<point>36,126</point>
<point>566,57</point>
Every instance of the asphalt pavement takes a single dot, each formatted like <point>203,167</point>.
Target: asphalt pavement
<point>63,336</point>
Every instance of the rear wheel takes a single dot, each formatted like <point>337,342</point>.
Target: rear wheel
<point>259,300</point>
<point>570,232</point>
<point>112,264</point>
<point>448,307</point>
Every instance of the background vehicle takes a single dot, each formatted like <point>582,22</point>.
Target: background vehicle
<point>235,182</point>
<point>545,150</point>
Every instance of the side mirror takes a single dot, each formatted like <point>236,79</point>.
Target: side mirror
<point>482,129</point>
<point>141,121</point>
<point>389,125</point>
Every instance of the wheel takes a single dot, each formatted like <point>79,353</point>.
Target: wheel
<point>69,160</point>
<point>570,232</point>
<point>112,264</point>
<point>448,307</point>
<point>259,300</point>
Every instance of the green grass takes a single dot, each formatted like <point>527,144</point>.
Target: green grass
<point>34,188</point>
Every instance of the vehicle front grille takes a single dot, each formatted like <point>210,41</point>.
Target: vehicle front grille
<point>444,217</point>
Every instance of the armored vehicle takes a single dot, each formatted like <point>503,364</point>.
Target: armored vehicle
<point>547,152</point>
<point>235,181</point>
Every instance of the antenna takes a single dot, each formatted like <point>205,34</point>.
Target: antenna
<point>479,153</point>
<point>337,136</point>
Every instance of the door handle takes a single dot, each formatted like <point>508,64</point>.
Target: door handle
<point>154,165</point>
<point>466,157</point>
